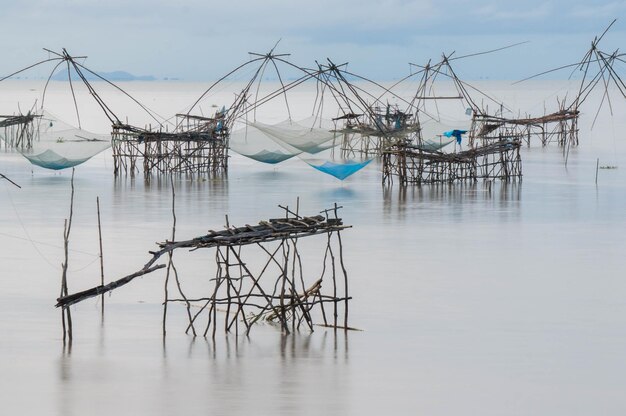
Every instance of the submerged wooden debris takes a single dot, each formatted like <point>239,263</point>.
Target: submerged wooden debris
<point>278,290</point>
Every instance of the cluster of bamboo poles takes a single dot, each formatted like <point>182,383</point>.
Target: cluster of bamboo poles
<point>19,130</point>
<point>197,148</point>
<point>279,291</point>
<point>560,127</point>
<point>413,165</point>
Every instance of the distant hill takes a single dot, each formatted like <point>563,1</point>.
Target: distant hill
<point>109,76</point>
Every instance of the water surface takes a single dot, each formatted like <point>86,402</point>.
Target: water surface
<point>473,298</point>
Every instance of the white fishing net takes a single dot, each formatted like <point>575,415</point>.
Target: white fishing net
<point>58,145</point>
<point>253,143</point>
<point>313,140</point>
<point>311,135</point>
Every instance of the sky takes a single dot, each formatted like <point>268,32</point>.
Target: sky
<point>200,40</point>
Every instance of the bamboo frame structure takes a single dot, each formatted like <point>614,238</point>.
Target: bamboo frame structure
<point>560,127</point>
<point>19,130</point>
<point>279,290</point>
<point>412,162</point>
<point>198,145</point>
<point>413,165</point>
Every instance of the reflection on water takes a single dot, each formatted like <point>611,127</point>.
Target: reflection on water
<point>479,298</point>
<point>227,375</point>
<point>455,202</point>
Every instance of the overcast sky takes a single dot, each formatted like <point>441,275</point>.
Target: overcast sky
<point>202,40</point>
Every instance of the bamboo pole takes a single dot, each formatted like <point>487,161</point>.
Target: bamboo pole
<point>101,257</point>
<point>65,312</point>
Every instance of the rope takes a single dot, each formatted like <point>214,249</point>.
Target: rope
<point>34,243</point>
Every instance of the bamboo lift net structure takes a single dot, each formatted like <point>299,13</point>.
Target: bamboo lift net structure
<point>319,138</point>
<point>561,126</point>
<point>366,122</point>
<point>46,140</point>
<point>421,159</point>
<point>259,275</point>
<point>194,144</point>
<point>200,144</point>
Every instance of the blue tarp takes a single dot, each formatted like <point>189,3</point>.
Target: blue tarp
<point>456,134</point>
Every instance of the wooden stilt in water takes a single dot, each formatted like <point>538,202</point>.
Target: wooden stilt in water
<point>65,311</point>
<point>101,256</point>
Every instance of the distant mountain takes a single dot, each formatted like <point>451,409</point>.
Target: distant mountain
<point>109,76</point>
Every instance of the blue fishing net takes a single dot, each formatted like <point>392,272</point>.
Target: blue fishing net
<point>341,170</point>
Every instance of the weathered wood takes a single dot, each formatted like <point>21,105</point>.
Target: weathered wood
<point>68,300</point>
<point>250,295</point>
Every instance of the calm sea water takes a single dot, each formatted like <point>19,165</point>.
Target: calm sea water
<point>509,299</point>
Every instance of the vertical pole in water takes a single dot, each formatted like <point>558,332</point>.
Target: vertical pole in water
<point>101,258</point>
<point>345,275</point>
<point>597,167</point>
<point>171,253</point>
<point>65,312</point>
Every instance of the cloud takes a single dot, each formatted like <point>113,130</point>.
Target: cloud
<point>500,11</point>
<point>196,39</point>
<point>609,10</point>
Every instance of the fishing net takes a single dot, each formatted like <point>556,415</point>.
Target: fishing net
<point>58,145</point>
<point>251,142</point>
<point>311,135</point>
<point>435,144</point>
<point>332,162</point>
<point>314,141</point>
<point>278,142</point>
<point>339,169</point>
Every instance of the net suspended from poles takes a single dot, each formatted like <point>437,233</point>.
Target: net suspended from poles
<point>339,169</point>
<point>58,145</point>
<point>311,135</point>
<point>332,163</point>
<point>314,141</point>
<point>252,143</point>
<point>275,143</point>
<point>311,140</point>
